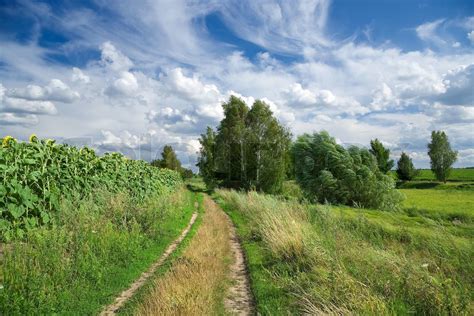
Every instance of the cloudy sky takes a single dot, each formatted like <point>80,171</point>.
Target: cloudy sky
<point>133,75</point>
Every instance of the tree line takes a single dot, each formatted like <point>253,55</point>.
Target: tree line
<point>250,149</point>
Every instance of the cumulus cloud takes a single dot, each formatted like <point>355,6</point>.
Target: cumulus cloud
<point>190,88</point>
<point>56,90</point>
<point>125,85</point>
<point>79,76</point>
<point>113,58</point>
<point>459,86</point>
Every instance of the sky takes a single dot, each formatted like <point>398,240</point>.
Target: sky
<point>134,75</point>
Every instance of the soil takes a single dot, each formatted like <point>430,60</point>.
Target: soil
<point>239,300</point>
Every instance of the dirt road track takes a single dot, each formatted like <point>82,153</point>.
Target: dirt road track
<point>128,293</point>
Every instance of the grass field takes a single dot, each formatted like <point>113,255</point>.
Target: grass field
<point>328,259</point>
<point>457,174</point>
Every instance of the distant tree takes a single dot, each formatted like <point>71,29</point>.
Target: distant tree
<point>206,159</point>
<point>441,155</point>
<point>168,160</point>
<point>186,173</point>
<point>327,172</point>
<point>405,169</point>
<point>382,155</point>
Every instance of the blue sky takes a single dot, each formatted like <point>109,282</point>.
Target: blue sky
<point>135,75</point>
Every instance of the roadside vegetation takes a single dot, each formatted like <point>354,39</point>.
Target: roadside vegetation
<point>314,259</point>
<point>78,228</point>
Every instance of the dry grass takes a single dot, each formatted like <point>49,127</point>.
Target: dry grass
<point>196,283</point>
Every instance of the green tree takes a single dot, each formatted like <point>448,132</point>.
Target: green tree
<point>249,149</point>
<point>230,142</point>
<point>441,155</point>
<point>327,172</point>
<point>405,169</point>
<point>267,147</point>
<point>186,173</point>
<point>168,160</point>
<point>206,159</point>
<point>382,155</point>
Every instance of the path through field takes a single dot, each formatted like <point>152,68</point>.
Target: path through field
<point>195,284</point>
<point>128,293</point>
<point>239,300</point>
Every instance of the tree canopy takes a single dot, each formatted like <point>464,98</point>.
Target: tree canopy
<point>329,173</point>
<point>248,150</point>
<point>441,155</point>
<point>405,169</point>
<point>382,155</point>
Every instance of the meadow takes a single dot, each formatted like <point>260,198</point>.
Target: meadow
<point>307,258</point>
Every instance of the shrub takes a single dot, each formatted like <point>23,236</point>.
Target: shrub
<point>329,173</point>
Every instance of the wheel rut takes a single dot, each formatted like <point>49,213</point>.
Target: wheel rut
<point>128,293</point>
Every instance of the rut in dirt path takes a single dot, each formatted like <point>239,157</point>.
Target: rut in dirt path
<point>239,300</point>
<point>128,293</point>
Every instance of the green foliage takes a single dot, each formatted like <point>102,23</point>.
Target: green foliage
<point>382,155</point>
<point>206,159</point>
<point>37,176</point>
<point>327,172</point>
<point>168,160</point>
<point>405,169</point>
<point>441,155</point>
<point>249,150</point>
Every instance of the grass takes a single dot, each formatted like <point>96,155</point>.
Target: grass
<point>134,302</point>
<point>324,259</point>
<point>196,282</point>
<point>457,174</point>
<point>97,248</point>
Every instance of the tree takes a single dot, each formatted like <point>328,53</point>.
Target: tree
<point>405,169</point>
<point>382,155</point>
<point>441,155</point>
<point>267,147</point>
<point>230,142</point>
<point>168,160</point>
<point>327,172</point>
<point>186,173</point>
<point>206,159</point>
<point>249,149</point>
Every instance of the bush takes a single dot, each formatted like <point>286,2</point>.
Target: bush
<point>329,173</point>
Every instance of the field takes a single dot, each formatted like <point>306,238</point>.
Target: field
<point>78,229</point>
<point>331,259</point>
<point>457,174</point>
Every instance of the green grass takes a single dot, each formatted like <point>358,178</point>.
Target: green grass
<point>131,305</point>
<point>457,174</point>
<point>328,259</point>
<point>96,249</point>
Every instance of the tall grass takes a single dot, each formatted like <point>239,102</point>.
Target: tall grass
<point>96,248</point>
<point>341,260</point>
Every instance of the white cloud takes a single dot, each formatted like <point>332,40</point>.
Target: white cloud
<point>56,90</point>
<point>126,85</point>
<point>428,32</point>
<point>113,58</point>
<point>470,36</point>
<point>18,119</point>
<point>79,76</point>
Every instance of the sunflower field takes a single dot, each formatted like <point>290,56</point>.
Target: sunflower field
<point>36,176</point>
